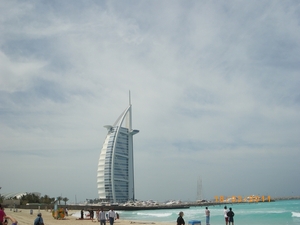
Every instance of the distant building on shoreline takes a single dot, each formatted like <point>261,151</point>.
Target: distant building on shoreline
<point>115,175</point>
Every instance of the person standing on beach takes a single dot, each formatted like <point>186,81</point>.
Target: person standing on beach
<point>207,215</point>
<point>230,215</point>
<point>180,220</point>
<point>2,214</point>
<point>225,214</point>
<point>81,214</point>
<point>97,215</point>
<point>39,220</point>
<point>66,211</point>
<point>92,215</point>
<point>111,216</point>
<point>102,217</point>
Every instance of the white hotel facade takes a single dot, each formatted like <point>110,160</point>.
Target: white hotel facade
<point>115,175</point>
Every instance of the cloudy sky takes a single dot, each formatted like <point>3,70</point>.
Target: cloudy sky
<point>214,89</point>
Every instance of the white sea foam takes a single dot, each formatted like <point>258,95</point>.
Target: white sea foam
<point>295,214</point>
<point>154,214</point>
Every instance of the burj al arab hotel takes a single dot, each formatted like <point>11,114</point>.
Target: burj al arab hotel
<point>115,175</point>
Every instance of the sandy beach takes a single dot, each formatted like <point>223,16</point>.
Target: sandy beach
<point>24,217</point>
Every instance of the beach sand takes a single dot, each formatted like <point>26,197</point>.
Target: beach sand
<point>24,217</point>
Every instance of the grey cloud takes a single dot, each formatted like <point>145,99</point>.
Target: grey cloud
<point>214,89</point>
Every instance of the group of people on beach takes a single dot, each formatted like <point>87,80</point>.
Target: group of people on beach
<point>110,216</point>
<point>228,215</point>
<point>102,216</point>
<point>4,218</point>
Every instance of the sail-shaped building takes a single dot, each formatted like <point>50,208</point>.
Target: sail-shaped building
<point>115,175</point>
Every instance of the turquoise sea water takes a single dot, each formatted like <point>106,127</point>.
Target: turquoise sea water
<point>266,213</point>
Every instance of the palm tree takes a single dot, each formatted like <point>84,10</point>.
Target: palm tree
<point>59,199</point>
<point>65,199</point>
<point>52,200</point>
<point>46,199</point>
<point>29,198</point>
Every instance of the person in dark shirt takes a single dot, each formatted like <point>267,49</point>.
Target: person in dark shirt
<point>39,220</point>
<point>180,220</point>
<point>81,214</point>
<point>230,215</point>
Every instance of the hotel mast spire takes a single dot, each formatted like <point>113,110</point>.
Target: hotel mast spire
<point>115,174</point>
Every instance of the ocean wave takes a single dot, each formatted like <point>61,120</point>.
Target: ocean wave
<point>262,211</point>
<point>155,214</point>
<point>295,214</point>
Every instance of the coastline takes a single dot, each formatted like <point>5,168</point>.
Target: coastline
<point>285,212</point>
<point>183,206</point>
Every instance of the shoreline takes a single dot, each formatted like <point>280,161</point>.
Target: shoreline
<point>24,217</point>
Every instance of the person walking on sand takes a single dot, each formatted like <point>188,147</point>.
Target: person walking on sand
<point>225,214</point>
<point>207,215</point>
<point>230,215</point>
<point>111,216</point>
<point>39,220</point>
<point>102,217</point>
<point>180,220</point>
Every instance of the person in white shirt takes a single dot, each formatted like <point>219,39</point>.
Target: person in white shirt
<point>207,214</point>
<point>102,217</point>
<point>225,214</point>
<point>111,216</point>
